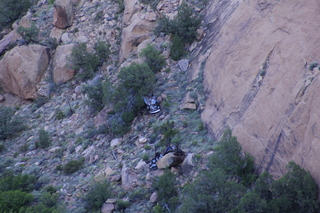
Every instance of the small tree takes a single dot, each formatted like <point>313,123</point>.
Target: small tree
<point>97,195</point>
<point>11,10</point>
<point>10,124</point>
<point>183,25</point>
<point>177,48</point>
<point>166,189</point>
<point>44,139</point>
<point>153,58</point>
<point>29,34</point>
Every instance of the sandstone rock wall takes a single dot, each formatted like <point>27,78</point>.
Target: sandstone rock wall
<point>22,68</point>
<point>255,60</point>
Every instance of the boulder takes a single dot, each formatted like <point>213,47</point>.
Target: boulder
<point>132,35</point>
<point>183,64</point>
<point>63,13</point>
<point>8,39</point>
<point>22,68</point>
<point>62,71</point>
<point>153,197</point>
<point>166,160</point>
<point>128,178</point>
<point>56,33</point>
<point>130,8</point>
<point>187,165</point>
<point>107,208</point>
<point>188,103</point>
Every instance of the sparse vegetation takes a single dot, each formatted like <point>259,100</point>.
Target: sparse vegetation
<point>89,62</point>
<point>11,10</point>
<point>73,166</point>
<point>98,194</point>
<point>230,185</point>
<point>44,139</point>
<point>10,124</point>
<point>167,190</point>
<point>183,25</point>
<point>312,66</point>
<point>29,34</point>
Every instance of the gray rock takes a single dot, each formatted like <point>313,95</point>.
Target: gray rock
<point>183,64</point>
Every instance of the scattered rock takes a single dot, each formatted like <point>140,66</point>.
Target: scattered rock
<point>54,149</point>
<point>141,165</point>
<point>188,103</point>
<point>103,174</point>
<point>107,208</point>
<point>128,178</point>
<point>115,142</point>
<point>153,197</point>
<point>183,64</point>
<point>200,34</point>
<point>62,71</point>
<point>187,165</point>
<point>111,200</point>
<point>63,13</point>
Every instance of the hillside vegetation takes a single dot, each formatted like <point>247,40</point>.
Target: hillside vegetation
<point>88,149</point>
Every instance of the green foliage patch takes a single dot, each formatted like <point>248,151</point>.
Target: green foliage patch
<point>73,166</point>
<point>153,58</point>
<point>11,10</point>
<point>10,124</point>
<point>89,62</point>
<point>230,185</point>
<point>97,195</point>
<point>183,25</point>
<point>29,34</point>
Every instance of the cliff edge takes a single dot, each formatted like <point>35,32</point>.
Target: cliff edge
<point>255,60</point>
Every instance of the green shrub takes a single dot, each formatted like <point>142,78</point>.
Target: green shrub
<point>177,48</point>
<point>137,79</point>
<point>102,51</point>
<point>2,147</point>
<point>30,34</point>
<point>97,195</point>
<point>13,201</point>
<point>166,189</point>
<point>153,58</point>
<point>122,205</point>
<point>10,124</point>
<point>11,10</point>
<point>184,25</point>
<point>44,139</point>
<point>313,65</point>
<point>81,58</point>
<point>59,115</point>
<point>10,182</point>
<point>51,1</point>
<point>89,62</point>
<point>73,166</point>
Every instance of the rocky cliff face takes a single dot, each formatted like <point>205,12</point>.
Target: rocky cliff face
<point>255,59</point>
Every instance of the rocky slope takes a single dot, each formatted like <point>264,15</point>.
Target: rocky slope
<point>56,102</point>
<point>255,58</point>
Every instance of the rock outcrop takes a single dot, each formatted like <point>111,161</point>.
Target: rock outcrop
<point>62,71</point>
<point>22,68</point>
<point>63,13</point>
<point>138,29</point>
<point>257,82</point>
